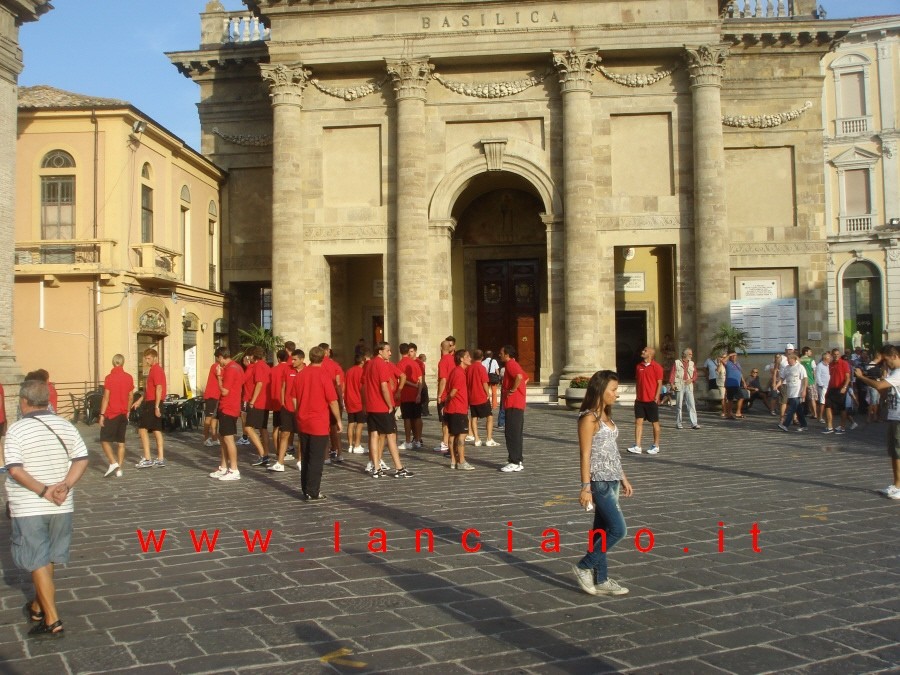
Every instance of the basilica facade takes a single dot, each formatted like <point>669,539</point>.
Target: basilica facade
<point>575,178</point>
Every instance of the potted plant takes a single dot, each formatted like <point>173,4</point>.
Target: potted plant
<point>576,390</point>
<point>730,339</point>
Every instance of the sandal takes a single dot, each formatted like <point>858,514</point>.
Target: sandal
<point>54,630</point>
<point>738,417</point>
<point>31,614</point>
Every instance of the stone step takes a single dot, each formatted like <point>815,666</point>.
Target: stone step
<point>538,393</point>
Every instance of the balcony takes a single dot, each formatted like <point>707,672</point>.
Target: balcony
<point>850,126</point>
<point>68,257</point>
<point>153,263</point>
<point>856,224</point>
<point>757,9</point>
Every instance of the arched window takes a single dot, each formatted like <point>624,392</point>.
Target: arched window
<point>185,194</point>
<point>58,159</point>
<point>58,204</point>
<point>146,205</point>
<point>863,320</point>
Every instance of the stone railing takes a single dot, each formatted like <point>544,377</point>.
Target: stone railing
<point>759,9</point>
<point>849,126</point>
<point>152,260</point>
<point>856,224</point>
<point>241,28</point>
<point>76,255</point>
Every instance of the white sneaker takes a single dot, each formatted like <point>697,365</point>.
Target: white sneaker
<point>512,467</point>
<point>369,467</point>
<point>359,450</point>
<point>218,473</point>
<point>242,441</point>
<point>479,443</point>
<point>469,439</point>
<point>610,587</point>
<point>417,445</point>
<point>275,467</point>
<point>491,443</point>
<point>654,450</point>
<point>853,425</point>
<point>891,492</point>
<point>405,445</point>
<point>299,464</point>
<point>231,475</point>
<point>112,469</point>
<point>441,448</point>
<point>384,466</point>
<point>118,473</point>
<point>328,460</point>
<point>210,443</point>
<point>635,450</point>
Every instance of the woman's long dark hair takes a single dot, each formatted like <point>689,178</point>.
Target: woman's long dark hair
<point>596,389</point>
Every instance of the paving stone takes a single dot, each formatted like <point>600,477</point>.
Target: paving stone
<point>744,637</point>
<point>98,659</point>
<point>164,650</point>
<point>149,630</point>
<point>753,660</point>
<point>664,653</point>
<point>36,665</point>
<point>226,662</point>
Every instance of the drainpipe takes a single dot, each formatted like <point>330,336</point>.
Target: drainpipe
<point>96,298</point>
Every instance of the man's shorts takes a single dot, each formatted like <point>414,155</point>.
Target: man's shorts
<point>227,424</point>
<point>258,419</point>
<point>733,393</point>
<point>782,395</point>
<point>481,410</point>
<point>210,407</point>
<point>113,430</point>
<point>38,541</point>
<point>287,421</point>
<point>647,410</point>
<point>457,423</point>
<point>382,423</point>
<point>411,410</point>
<point>149,420</point>
<point>893,439</point>
<point>356,417</point>
<point>836,399</point>
<point>820,393</point>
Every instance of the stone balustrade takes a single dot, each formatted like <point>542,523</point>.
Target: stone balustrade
<point>75,255</point>
<point>849,126</point>
<point>238,28</point>
<point>759,9</point>
<point>856,224</point>
<point>152,261</point>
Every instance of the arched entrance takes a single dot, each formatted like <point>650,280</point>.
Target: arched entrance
<point>861,299</point>
<point>499,263</point>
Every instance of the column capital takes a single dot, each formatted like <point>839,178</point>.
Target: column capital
<point>410,78</point>
<point>575,68</point>
<point>706,64</point>
<point>286,82</point>
<point>443,228</point>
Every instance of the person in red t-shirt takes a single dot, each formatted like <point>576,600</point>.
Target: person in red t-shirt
<point>150,404</point>
<point>257,425</point>
<point>231,378</point>
<point>479,387</point>
<point>456,410</point>
<point>378,388</point>
<point>315,400</point>
<point>118,388</point>
<point>648,379</point>
<point>514,386</point>
<point>836,394</point>
<point>411,397</point>
<point>211,396</point>
<point>333,368</point>
<point>276,381</point>
<point>445,365</point>
<point>287,421</point>
<point>356,416</point>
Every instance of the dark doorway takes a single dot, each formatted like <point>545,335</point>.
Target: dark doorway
<point>631,338</point>
<point>508,310</point>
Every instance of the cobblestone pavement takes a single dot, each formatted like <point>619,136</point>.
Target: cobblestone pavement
<point>820,596</point>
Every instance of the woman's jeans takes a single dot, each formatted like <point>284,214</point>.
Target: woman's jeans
<point>607,517</point>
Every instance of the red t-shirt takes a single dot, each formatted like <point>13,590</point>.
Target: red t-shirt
<point>413,371</point>
<point>261,373</point>
<point>516,399</point>
<point>247,383</point>
<point>646,377</point>
<point>119,384</point>
<point>333,368</point>
<point>459,404</point>
<point>54,396</point>
<point>290,377</point>
<point>276,379</point>
<point>476,378</point>
<point>352,386</point>
<point>155,377</point>
<point>839,370</point>
<point>377,370</point>
<point>212,383</point>
<point>232,380</point>
<point>314,389</point>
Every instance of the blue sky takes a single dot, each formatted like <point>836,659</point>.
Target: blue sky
<point>115,48</point>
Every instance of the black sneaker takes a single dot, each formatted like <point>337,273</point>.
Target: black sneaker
<point>304,497</point>
<point>261,461</point>
<point>378,474</point>
<point>404,473</point>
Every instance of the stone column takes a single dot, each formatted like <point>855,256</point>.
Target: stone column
<point>589,282</point>
<point>298,311</point>
<point>418,283</point>
<point>892,285</point>
<point>706,66</point>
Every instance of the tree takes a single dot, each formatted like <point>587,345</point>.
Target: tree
<point>257,336</point>
<point>730,339</point>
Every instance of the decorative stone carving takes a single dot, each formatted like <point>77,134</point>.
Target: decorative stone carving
<point>893,254</point>
<point>261,140</point>
<point>349,93</point>
<point>152,321</point>
<point>286,82</point>
<point>491,89</point>
<point>706,64</point>
<point>575,68</point>
<point>637,79</point>
<point>494,149</point>
<point>346,232</point>
<point>410,78</point>
<point>654,222</point>
<point>888,148</point>
<point>775,248</point>
<point>764,121</point>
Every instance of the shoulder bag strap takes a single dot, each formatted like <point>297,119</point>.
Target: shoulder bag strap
<point>61,442</point>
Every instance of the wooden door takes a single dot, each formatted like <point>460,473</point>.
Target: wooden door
<point>631,338</point>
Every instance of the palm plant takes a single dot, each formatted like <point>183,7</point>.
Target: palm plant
<point>257,336</point>
<point>730,339</point>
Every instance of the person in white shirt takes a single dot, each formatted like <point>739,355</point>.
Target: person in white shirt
<point>823,376</point>
<point>889,388</point>
<point>682,378</point>
<point>793,377</point>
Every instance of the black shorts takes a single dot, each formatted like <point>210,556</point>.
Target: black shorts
<point>149,420</point>
<point>287,421</point>
<point>733,393</point>
<point>457,423</point>
<point>356,417</point>
<point>836,400</point>
<point>382,423</point>
<point>712,384</point>
<point>893,439</point>
<point>258,419</point>
<point>647,410</point>
<point>481,410</point>
<point>211,407</point>
<point>227,424</point>
<point>113,430</point>
<point>411,410</point>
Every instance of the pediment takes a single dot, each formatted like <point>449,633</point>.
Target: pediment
<point>850,61</point>
<point>855,156</point>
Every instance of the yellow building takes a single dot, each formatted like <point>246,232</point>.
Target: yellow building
<point>861,105</point>
<point>116,243</point>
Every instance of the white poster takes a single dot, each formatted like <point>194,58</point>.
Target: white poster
<point>771,324</point>
<point>190,367</point>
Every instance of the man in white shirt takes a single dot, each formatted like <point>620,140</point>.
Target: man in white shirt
<point>793,375</point>
<point>889,388</point>
<point>823,377</point>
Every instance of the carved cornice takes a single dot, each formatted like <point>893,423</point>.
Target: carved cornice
<point>286,82</point>
<point>494,149</point>
<point>410,78</point>
<point>764,121</point>
<point>777,248</point>
<point>349,93</point>
<point>575,68</point>
<point>706,64</point>
<point>261,140</point>
<point>491,89</point>
<point>346,232</point>
<point>637,79</point>
<point>649,222</point>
